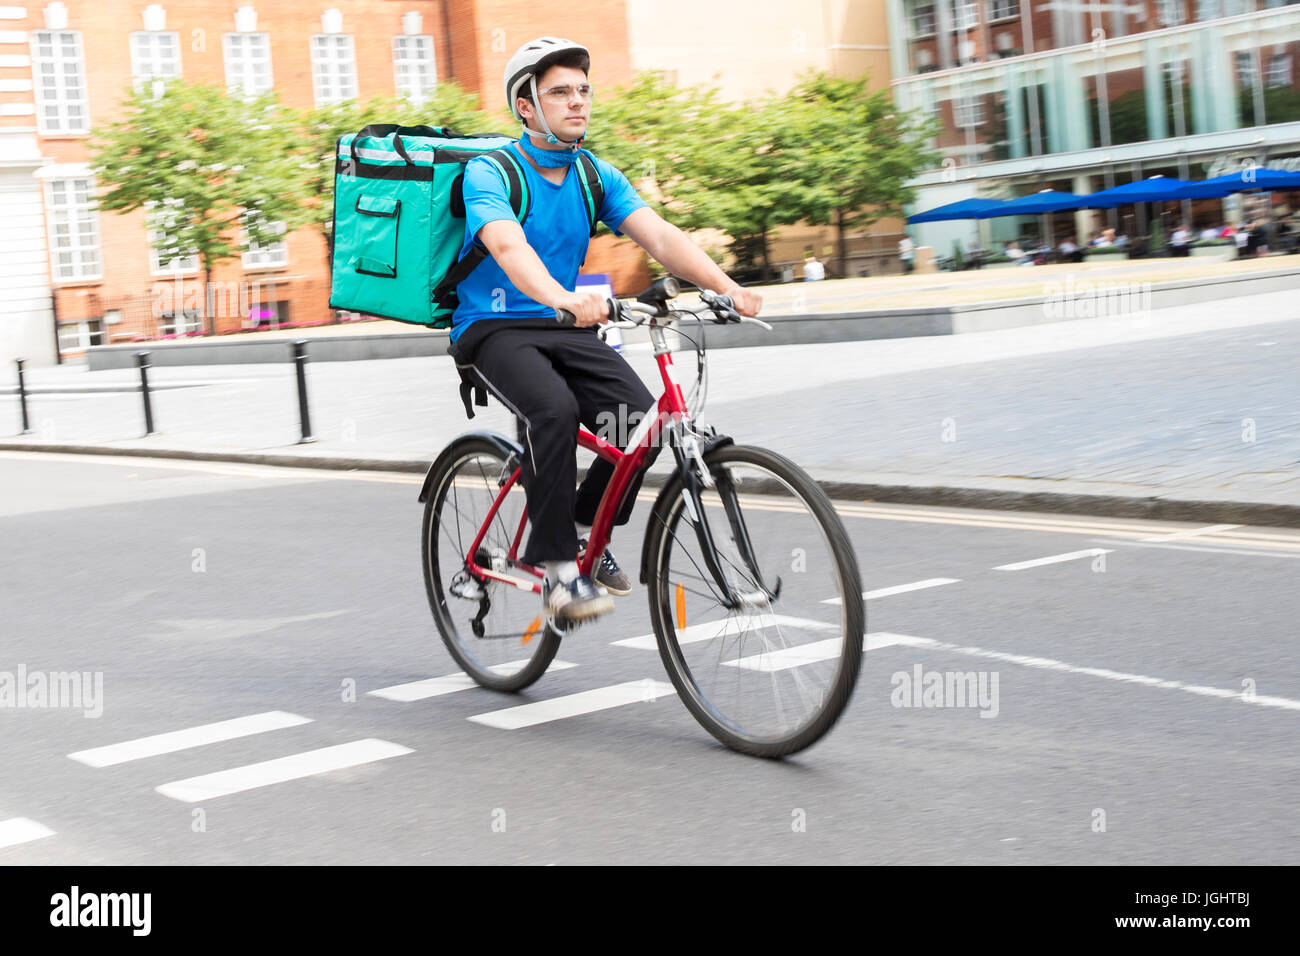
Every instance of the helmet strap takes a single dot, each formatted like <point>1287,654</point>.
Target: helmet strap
<point>549,136</point>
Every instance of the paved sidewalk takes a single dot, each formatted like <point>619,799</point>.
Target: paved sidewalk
<point>1191,413</point>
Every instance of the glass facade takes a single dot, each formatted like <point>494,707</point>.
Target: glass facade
<point>1010,79</point>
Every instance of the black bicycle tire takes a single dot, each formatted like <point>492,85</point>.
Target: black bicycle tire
<point>670,502</point>
<point>550,640</point>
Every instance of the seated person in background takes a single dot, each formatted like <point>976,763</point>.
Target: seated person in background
<point>1209,233</point>
<point>1069,251</point>
<point>1012,250</point>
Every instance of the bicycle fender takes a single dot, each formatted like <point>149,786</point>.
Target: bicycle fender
<point>661,501</point>
<point>502,443</point>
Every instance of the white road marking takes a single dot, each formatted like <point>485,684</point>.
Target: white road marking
<point>575,705</point>
<point>21,830</point>
<point>1047,663</point>
<point>899,589</point>
<point>787,657</point>
<point>1053,559</point>
<point>282,769</point>
<point>1192,532</point>
<point>450,683</point>
<point>190,737</point>
<point>709,630</point>
<point>1261,553</point>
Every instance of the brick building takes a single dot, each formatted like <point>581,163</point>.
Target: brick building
<point>64,67</point>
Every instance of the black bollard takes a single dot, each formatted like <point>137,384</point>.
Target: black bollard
<point>300,364</point>
<point>22,397</point>
<point>142,360</point>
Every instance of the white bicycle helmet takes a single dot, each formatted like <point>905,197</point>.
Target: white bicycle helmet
<point>535,57</point>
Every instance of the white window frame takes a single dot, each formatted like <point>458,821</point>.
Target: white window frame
<point>73,214</point>
<point>58,61</point>
<point>965,14</point>
<point>996,6</point>
<point>272,256</point>
<point>241,67</point>
<point>1279,71</point>
<point>332,69</point>
<point>1170,13</point>
<point>915,20</point>
<point>1246,69</point>
<point>967,111</point>
<point>407,66</point>
<point>75,336</point>
<point>158,223</point>
<point>178,323</point>
<point>149,64</point>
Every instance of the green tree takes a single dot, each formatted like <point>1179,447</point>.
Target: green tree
<point>215,171</point>
<point>849,152</point>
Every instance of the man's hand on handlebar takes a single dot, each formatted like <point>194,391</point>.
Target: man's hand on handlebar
<point>588,308</point>
<point>747,301</point>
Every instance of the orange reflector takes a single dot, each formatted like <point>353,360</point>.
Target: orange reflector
<point>681,607</point>
<point>532,629</point>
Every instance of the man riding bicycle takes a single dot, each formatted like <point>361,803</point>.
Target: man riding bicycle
<point>554,377</point>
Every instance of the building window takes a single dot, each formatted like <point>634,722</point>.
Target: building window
<point>74,228</point>
<point>1004,9</point>
<point>79,336</point>
<point>333,68</point>
<point>248,63</point>
<point>1171,13</point>
<point>967,111</point>
<point>160,224</point>
<point>413,67</point>
<point>1279,70</point>
<point>59,71</point>
<point>274,255</point>
<point>968,16</point>
<point>189,320</point>
<point>1245,69</point>
<point>155,58</point>
<point>922,19</point>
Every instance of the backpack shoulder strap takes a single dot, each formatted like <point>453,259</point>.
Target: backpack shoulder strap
<point>507,166</point>
<point>593,190</point>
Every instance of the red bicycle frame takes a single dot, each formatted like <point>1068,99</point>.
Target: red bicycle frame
<point>671,407</point>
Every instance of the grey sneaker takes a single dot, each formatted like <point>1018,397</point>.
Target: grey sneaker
<point>608,574</point>
<point>578,600</point>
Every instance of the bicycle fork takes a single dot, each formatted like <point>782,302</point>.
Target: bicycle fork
<point>695,478</point>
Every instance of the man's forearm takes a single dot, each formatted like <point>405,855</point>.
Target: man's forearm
<point>681,257</point>
<point>529,275</point>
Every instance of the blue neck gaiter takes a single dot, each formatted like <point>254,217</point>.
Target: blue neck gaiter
<point>548,158</point>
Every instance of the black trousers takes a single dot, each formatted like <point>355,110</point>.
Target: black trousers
<point>552,379</point>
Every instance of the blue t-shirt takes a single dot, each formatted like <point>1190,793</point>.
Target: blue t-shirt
<point>556,228</point>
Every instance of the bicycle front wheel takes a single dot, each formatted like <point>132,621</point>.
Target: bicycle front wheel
<point>494,629</point>
<point>771,676</point>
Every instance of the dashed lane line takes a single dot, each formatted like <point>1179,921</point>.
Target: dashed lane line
<point>281,770</point>
<point>450,683</point>
<point>575,705</point>
<point>22,830</point>
<point>189,737</point>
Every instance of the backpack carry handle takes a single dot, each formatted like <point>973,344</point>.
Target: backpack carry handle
<point>381,130</point>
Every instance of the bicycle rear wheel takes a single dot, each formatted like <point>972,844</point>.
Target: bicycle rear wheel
<point>494,629</point>
<point>772,676</point>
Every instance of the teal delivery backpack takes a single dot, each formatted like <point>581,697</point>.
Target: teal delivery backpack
<point>399,217</point>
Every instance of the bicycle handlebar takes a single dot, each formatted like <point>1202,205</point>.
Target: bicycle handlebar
<point>621,314</point>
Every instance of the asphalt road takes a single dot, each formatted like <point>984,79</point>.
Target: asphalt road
<point>1146,711</point>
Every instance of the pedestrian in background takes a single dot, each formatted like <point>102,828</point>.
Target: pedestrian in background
<point>906,251</point>
<point>1180,241</point>
<point>813,270</point>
